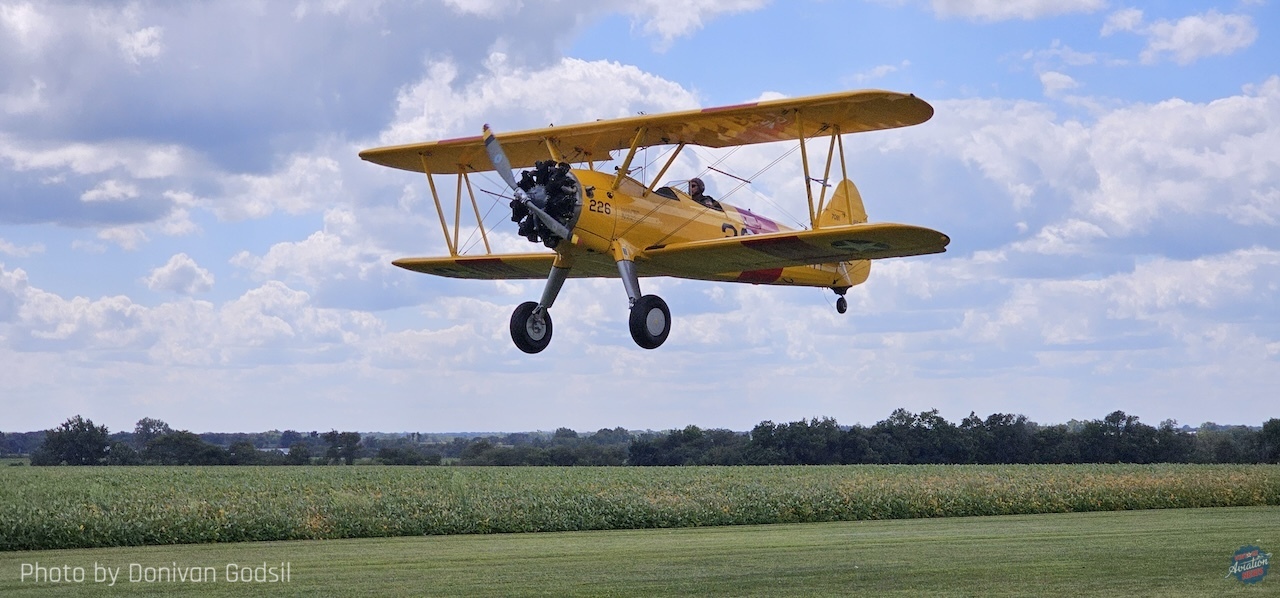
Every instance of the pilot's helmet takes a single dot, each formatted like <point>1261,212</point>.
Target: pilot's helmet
<point>696,186</point>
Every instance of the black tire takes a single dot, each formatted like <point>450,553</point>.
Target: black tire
<point>650,321</point>
<point>530,334</point>
<point>842,305</point>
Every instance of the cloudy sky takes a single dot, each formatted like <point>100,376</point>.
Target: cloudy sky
<point>187,233</point>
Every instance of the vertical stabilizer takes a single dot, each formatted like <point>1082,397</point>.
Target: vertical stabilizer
<point>845,207</point>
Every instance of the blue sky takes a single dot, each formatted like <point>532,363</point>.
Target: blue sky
<point>187,233</point>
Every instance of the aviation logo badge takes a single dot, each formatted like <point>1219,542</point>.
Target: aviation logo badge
<point>1249,564</point>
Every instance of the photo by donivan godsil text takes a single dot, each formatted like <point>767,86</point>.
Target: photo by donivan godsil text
<point>149,573</point>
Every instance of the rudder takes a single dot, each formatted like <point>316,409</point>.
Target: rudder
<point>845,207</point>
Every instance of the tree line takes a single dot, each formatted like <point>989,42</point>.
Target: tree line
<point>903,437</point>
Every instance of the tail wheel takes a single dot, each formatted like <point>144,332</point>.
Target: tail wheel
<point>530,329</point>
<point>650,321</point>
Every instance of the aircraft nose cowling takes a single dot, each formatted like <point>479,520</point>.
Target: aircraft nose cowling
<point>552,188</point>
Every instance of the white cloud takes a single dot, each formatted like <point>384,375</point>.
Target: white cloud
<point>1127,19</point>
<point>8,248</point>
<point>670,19</point>
<point>271,316</point>
<point>143,44</point>
<point>511,96</point>
<point>1157,288</point>
<point>180,275</point>
<point>664,19</point>
<point>1134,166</point>
<point>129,238</point>
<point>43,321</point>
<point>1178,157</point>
<point>1055,83</point>
<point>28,25</point>
<point>137,159</point>
<point>1066,238</point>
<point>1160,300</point>
<point>356,8</point>
<point>322,258</point>
<point>178,223</point>
<point>486,8</point>
<point>110,190</point>
<point>1188,39</point>
<point>122,27</point>
<point>305,183</point>
<point>24,102</point>
<point>879,71</point>
<point>1004,10</point>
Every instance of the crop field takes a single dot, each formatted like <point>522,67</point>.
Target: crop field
<point>66,507</point>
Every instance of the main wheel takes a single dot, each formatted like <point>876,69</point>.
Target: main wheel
<point>650,321</point>
<point>530,331</point>
<point>842,305</point>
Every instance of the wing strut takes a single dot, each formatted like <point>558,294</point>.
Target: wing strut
<point>452,240</point>
<point>826,174</point>
<point>815,215</point>
<point>804,160</point>
<point>657,179</point>
<point>444,226</point>
<point>631,154</point>
<point>475,207</point>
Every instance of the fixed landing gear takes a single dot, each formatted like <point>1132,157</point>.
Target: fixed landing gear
<point>650,321</point>
<point>531,327</point>
<point>842,304</point>
<point>531,321</point>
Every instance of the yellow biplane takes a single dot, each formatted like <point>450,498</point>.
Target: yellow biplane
<point>608,224</point>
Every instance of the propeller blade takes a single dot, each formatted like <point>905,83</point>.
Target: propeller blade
<point>503,166</point>
<point>498,158</point>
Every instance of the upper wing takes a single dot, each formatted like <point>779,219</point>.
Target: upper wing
<point>797,248</point>
<point>504,266</point>
<point>757,122</point>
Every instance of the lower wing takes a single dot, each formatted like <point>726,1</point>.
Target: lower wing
<point>796,248</point>
<point>504,266</point>
<point>712,259</point>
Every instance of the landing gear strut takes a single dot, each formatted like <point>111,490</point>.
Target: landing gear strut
<point>650,319</point>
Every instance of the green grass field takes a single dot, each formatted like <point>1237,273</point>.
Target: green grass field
<point>1172,552</point>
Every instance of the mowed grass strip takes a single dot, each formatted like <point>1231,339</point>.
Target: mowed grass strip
<point>1175,552</point>
<point>65,507</point>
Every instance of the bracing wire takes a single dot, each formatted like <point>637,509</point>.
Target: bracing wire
<point>746,182</point>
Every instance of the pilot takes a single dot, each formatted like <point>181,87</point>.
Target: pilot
<point>696,188</point>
